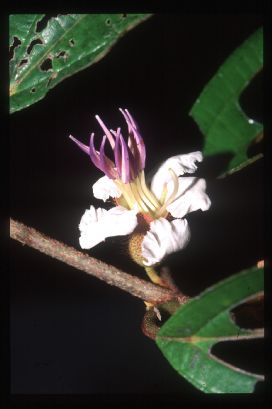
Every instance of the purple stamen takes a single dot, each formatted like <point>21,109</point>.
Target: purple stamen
<point>94,155</point>
<point>133,168</point>
<point>130,126</point>
<point>115,133</point>
<point>81,145</point>
<point>107,132</point>
<point>125,161</point>
<point>117,153</point>
<point>129,157</point>
<point>134,152</point>
<point>107,166</point>
<point>135,139</point>
<point>131,120</point>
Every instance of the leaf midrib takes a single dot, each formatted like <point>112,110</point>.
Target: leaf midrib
<point>194,339</point>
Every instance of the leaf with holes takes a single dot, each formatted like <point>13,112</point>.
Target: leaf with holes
<point>225,126</point>
<point>68,44</point>
<point>187,337</point>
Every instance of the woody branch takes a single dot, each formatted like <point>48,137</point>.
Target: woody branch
<point>137,287</point>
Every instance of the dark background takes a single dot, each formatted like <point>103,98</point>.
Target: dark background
<point>71,333</point>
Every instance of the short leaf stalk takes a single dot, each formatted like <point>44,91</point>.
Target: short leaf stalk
<point>154,277</point>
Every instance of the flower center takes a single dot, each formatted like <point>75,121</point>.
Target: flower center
<point>137,195</point>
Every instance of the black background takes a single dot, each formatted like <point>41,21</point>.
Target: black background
<point>71,333</point>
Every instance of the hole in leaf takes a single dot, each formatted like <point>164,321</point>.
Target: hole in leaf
<point>247,355</point>
<point>33,90</point>
<point>124,15</point>
<point>16,43</point>
<point>46,65</point>
<point>108,21</point>
<point>72,42</point>
<point>23,62</point>
<point>62,54</point>
<point>31,45</point>
<point>249,314</point>
<point>40,26</point>
<point>251,99</point>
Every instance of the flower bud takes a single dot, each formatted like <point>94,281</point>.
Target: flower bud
<point>135,248</point>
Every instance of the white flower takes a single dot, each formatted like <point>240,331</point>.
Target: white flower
<point>156,213</point>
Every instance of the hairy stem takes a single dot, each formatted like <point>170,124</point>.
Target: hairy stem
<point>142,289</point>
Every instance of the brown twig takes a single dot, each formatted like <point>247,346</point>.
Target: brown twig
<point>139,288</point>
<point>165,274</point>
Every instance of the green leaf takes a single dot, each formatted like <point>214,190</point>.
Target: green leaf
<point>68,44</point>
<point>187,337</point>
<point>225,126</point>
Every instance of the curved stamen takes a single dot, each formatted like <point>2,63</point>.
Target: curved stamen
<point>138,198</point>
<point>107,132</point>
<point>81,145</point>
<point>133,166</point>
<point>175,189</point>
<point>173,195</point>
<point>115,133</point>
<point>123,157</point>
<point>139,140</point>
<point>129,124</point>
<point>134,154</point>
<point>107,166</point>
<point>131,119</point>
<point>125,174</point>
<point>143,196</point>
<point>94,155</point>
<point>139,146</point>
<point>117,154</point>
<point>148,192</point>
<point>163,193</point>
<point>129,198</point>
<point>129,157</point>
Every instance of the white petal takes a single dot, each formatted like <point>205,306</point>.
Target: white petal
<point>120,221</point>
<point>98,224</point>
<point>105,188</point>
<point>164,238</point>
<point>91,232</point>
<point>191,196</point>
<point>180,164</point>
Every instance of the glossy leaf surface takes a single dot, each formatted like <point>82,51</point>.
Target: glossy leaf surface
<point>226,128</point>
<point>68,44</point>
<point>187,337</point>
